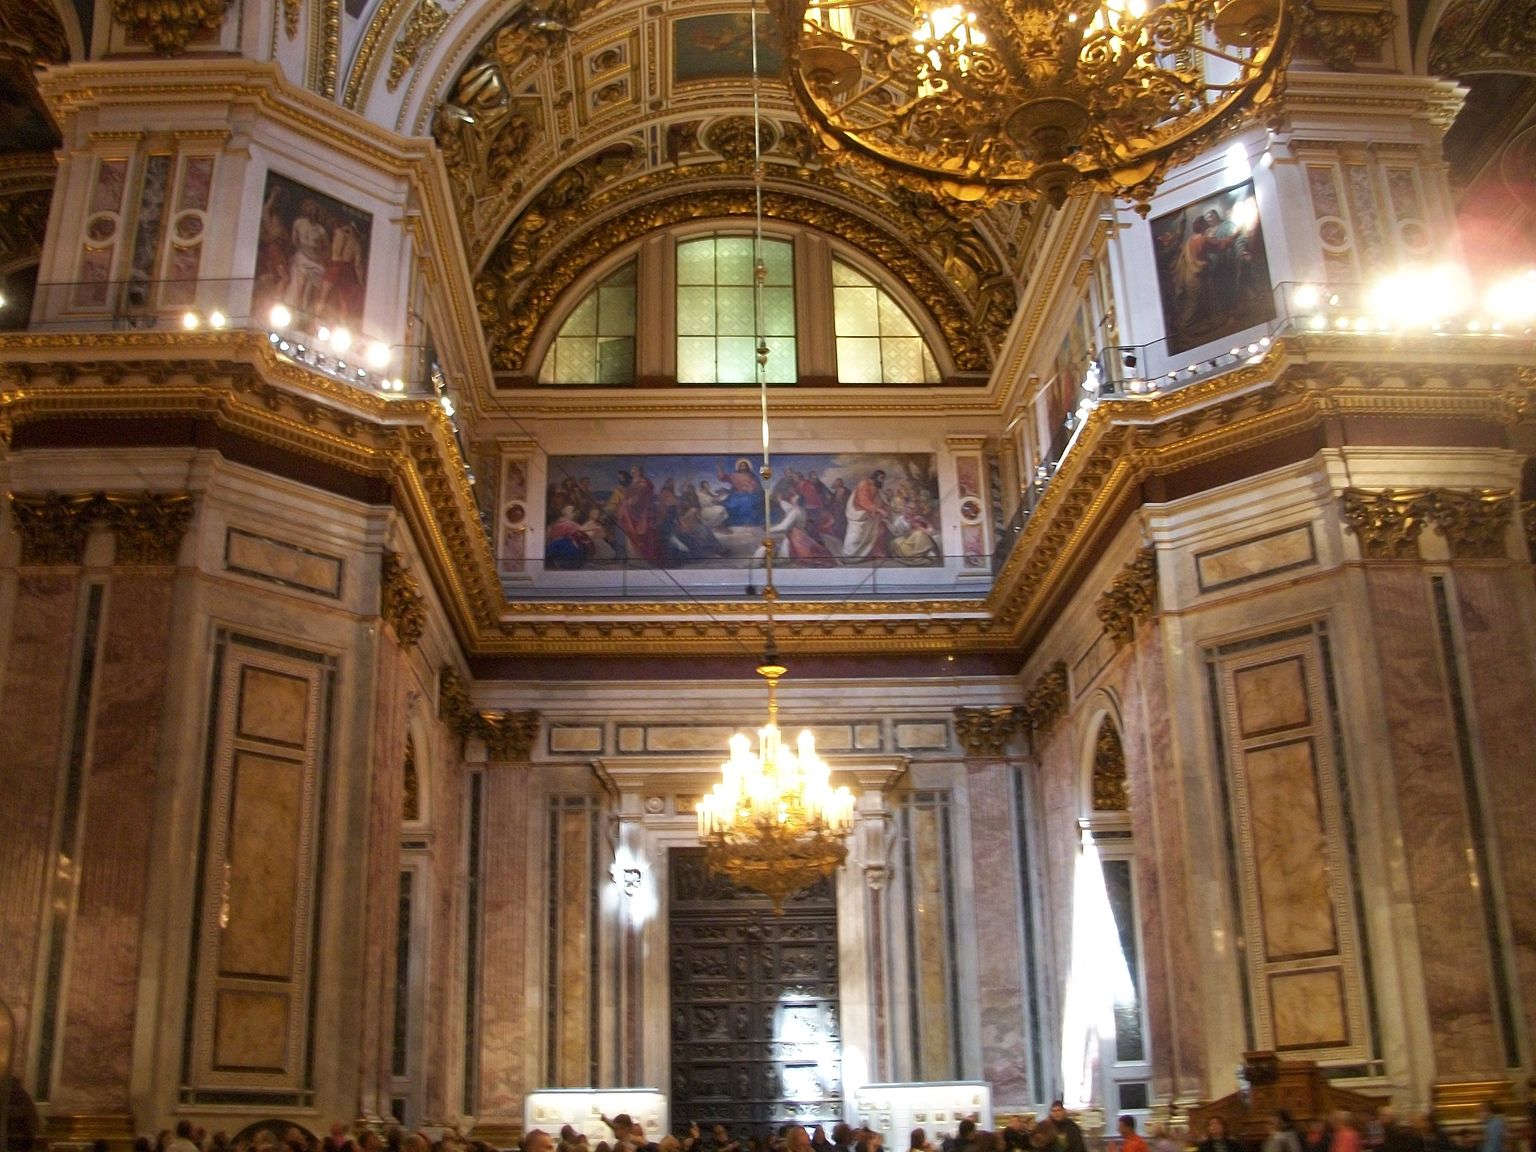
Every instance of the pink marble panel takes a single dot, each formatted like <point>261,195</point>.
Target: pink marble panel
<point>443,1056</point>
<point>119,819</point>
<point>995,898</point>
<point>504,1010</point>
<point>1503,696</point>
<point>1433,823</point>
<point>32,710</point>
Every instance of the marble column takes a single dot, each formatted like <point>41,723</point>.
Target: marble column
<point>35,706</point>
<point>507,1024</point>
<point>97,1016</point>
<point>995,902</point>
<point>1436,839</point>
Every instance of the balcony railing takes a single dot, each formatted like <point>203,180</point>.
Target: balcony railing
<point>318,342</point>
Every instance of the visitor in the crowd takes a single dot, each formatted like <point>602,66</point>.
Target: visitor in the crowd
<point>1282,1134</point>
<point>1217,1140</point>
<point>1493,1127</point>
<point>1130,1139</point>
<point>1069,1137</point>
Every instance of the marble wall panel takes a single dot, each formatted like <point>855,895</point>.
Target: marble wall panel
<point>571,946</point>
<point>283,563</point>
<point>250,1031</point>
<point>1290,850</point>
<point>1433,824</point>
<point>1309,1010</point>
<point>273,707</point>
<point>995,904</point>
<point>32,706</point>
<point>913,737</point>
<point>98,1016</point>
<point>1293,865</point>
<point>575,738</point>
<point>930,938</point>
<point>1499,664</point>
<point>263,858</point>
<point>1248,560</point>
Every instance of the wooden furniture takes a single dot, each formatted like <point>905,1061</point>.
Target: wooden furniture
<point>1298,1086</point>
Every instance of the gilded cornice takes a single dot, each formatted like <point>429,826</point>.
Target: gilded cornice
<point>985,732</point>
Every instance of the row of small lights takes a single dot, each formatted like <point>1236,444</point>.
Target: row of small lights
<point>339,341</point>
<point>1433,299</point>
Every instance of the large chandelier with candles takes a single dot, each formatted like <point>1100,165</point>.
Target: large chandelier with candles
<point>774,823</point>
<point>1017,99</point>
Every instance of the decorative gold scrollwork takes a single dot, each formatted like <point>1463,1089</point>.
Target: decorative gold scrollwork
<point>1131,598</point>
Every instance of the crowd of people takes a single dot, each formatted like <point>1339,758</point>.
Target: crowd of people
<point>1057,1131</point>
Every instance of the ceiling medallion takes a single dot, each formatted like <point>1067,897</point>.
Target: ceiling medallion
<point>1019,99</point>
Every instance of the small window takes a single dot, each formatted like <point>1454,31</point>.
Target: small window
<point>596,344</point>
<point>715,311</point>
<point>877,343</point>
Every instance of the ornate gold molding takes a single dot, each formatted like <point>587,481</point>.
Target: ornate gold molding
<point>168,26</point>
<point>1109,785</point>
<point>1528,520</point>
<point>291,11</point>
<point>1389,522</point>
<point>1475,523</point>
<point>53,527</point>
<point>401,602</point>
<point>32,35</point>
<point>507,735</point>
<point>985,732</point>
<point>1046,702</point>
<point>149,526</point>
<point>426,21</point>
<point>1130,598</point>
<point>1342,39</point>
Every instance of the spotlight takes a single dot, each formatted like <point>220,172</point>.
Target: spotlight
<point>1305,297</point>
<point>1514,297</point>
<point>280,316</point>
<point>189,320</point>
<point>1129,360</point>
<point>377,355</point>
<point>322,333</point>
<point>217,319</point>
<point>341,339</point>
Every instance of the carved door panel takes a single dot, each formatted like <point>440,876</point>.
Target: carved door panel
<point>755,1037</point>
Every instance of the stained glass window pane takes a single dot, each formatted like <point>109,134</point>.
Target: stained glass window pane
<point>583,319</point>
<point>695,311</point>
<point>856,311</point>
<point>843,275</point>
<point>695,359</point>
<point>616,360</point>
<point>858,360</point>
<point>616,310</point>
<point>696,261</point>
<point>575,361</point>
<point>596,344</point>
<point>715,298</point>
<point>893,320</point>
<point>902,358</point>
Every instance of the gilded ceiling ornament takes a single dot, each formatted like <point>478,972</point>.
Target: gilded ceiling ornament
<point>1475,523</point>
<point>23,220</point>
<point>985,732</point>
<point>401,602</point>
<point>1343,39</point>
<point>426,21</point>
<point>149,526</point>
<point>291,10</point>
<point>1387,521</point>
<point>1046,702</point>
<point>732,138</point>
<point>31,33</point>
<point>1477,35</point>
<point>168,26</point>
<point>1109,787</point>
<point>1130,598</point>
<point>53,527</point>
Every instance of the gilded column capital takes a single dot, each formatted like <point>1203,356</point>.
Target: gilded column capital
<point>1130,598</point>
<point>1387,521</point>
<point>507,734</point>
<point>401,602</point>
<point>986,731</point>
<point>1475,523</point>
<point>53,526</point>
<point>1046,702</point>
<point>149,526</point>
<point>168,26</point>
<point>1343,39</point>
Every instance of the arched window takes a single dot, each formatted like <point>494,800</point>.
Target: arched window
<point>716,305</point>
<point>596,344</point>
<point>681,311</point>
<point>877,343</point>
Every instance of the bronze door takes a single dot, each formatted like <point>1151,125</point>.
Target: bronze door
<point>755,1039</point>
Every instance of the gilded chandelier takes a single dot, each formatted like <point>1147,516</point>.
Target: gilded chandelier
<point>774,823</point>
<point>1015,99</point>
